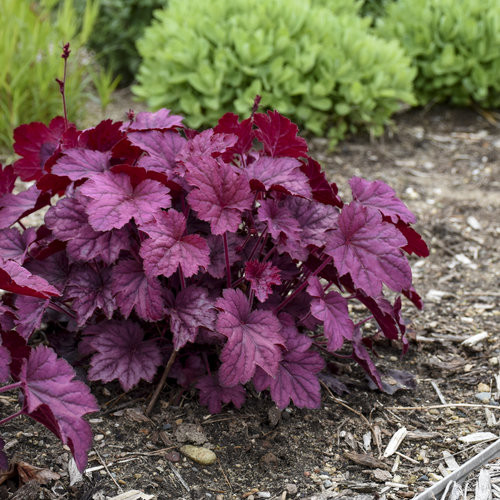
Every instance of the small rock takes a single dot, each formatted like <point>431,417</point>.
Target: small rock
<point>381,475</point>
<point>423,478</point>
<point>98,437</point>
<point>274,416</point>
<point>198,454</point>
<point>482,387</point>
<point>264,494</point>
<point>173,456</point>
<point>190,433</point>
<point>473,223</point>
<point>327,483</point>
<point>291,488</point>
<point>483,396</point>
<point>435,295</point>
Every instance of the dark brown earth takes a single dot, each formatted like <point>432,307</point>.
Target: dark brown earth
<point>445,164</point>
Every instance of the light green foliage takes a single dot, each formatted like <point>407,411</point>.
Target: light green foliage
<point>119,25</point>
<point>320,69</point>
<point>31,40</point>
<point>454,44</point>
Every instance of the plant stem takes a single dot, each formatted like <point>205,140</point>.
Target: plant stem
<point>182,279</point>
<point>160,385</point>
<point>10,387</point>
<point>10,417</point>
<point>226,256</point>
<point>58,308</point>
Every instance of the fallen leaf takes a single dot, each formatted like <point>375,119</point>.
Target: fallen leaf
<point>366,460</point>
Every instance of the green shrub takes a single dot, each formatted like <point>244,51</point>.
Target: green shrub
<point>31,40</point>
<point>323,70</point>
<point>454,45</point>
<point>119,25</point>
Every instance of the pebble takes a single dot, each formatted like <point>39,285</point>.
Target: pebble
<point>99,437</point>
<point>191,433</point>
<point>482,387</point>
<point>327,483</point>
<point>198,454</point>
<point>291,488</point>
<point>264,494</point>
<point>483,396</point>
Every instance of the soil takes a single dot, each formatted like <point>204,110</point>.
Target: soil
<point>445,164</point>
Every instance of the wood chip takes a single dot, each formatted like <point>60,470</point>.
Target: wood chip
<point>450,461</point>
<point>483,486</point>
<point>395,442</point>
<point>475,339</point>
<point>477,437</point>
<point>132,495</point>
<point>366,460</point>
<point>422,435</point>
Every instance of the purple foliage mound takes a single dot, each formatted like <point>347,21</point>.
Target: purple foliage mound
<point>226,253</point>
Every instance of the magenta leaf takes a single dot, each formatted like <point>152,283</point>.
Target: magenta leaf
<point>377,194</point>
<point>14,245</point>
<point>103,137</point>
<point>296,378</point>
<point>188,371</point>
<point>4,463</point>
<point>36,143</point>
<point>69,222</point>
<point>222,199</point>
<point>193,309</point>
<point>161,119</point>
<point>162,147</point>
<point>55,269</point>
<point>134,290</point>
<point>262,275</point>
<point>254,339</point>
<point>90,288</point>
<point>362,357</point>
<point>274,173</point>
<point>17,206</point>
<point>48,381</point>
<point>369,250</point>
<point>213,394</point>
<point>30,311</point>
<point>7,317</point>
<point>16,279</point>
<point>415,244</point>
<point>5,360</point>
<point>331,309</point>
<point>322,191</point>
<point>229,124</point>
<point>7,179</point>
<point>169,247</point>
<point>279,220</point>
<point>123,354</point>
<point>81,163</point>
<point>115,201</point>
<point>217,266</point>
<point>279,135</point>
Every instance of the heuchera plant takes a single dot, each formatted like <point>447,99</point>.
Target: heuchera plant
<point>225,255</point>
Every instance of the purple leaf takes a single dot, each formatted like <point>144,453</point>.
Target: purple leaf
<point>189,371</point>
<point>7,317</point>
<point>81,163</point>
<point>212,394</point>
<point>48,381</point>
<point>4,463</point>
<point>16,279</point>
<point>262,275</point>
<point>279,135</point>
<point>217,267</point>
<point>222,199</point>
<point>283,173</point>
<point>161,119</point>
<point>333,383</point>
<point>103,137</point>
<point>90,288</point>
<point>192,309</point>
<point>55,269</point>
<point>7,179</point>
<point>5,360</point>
<point>134,290</point>
<point>362,357</point>
<point>169,247</point>
<point>123,354</point>
<point>395,380</point>
<point>369,250</point>
<point>322,191</point>
<point>162,147</point>
<point>296,378</point>
<point>415,244</point>
<point>254,339</point>
<point>68,220</point>
<point>382,312</point>
<point>229,124</point>
<point>30,311</point>
<point>279,220</point>
<point>331,308</point>
<point>379,195</point>
<point>14,245</point>
<point>115,201</point>
<point>16,206</point>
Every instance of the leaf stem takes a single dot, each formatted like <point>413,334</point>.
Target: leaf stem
<point>10,417</point>
<point>10,387</point>
<point>182,278</point>
<point>160,385</point>
<point>59,308</point>
<point>226,256</point>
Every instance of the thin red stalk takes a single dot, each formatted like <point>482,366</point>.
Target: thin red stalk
<point>257,245</point>
<point>10,387</point>
<point>226,256</point>
<point>303,285</point>
<point>160,385</point>
<point>182,279</point>
<point>58,308</point>
<point>269,254</point>
<point>362,322</point>
<point>10,417</point>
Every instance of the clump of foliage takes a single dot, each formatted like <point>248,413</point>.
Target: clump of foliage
<point>30,39</point>
<point>225,252</point>
<point>321,68</point>
<point>118,26</point>
<point>454,45</point>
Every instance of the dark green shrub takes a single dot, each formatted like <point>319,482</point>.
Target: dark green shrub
<point>454,45</point>
<point>323,70</point>
<point>118,27</point>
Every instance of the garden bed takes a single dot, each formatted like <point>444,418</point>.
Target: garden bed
<point>445,164</point>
